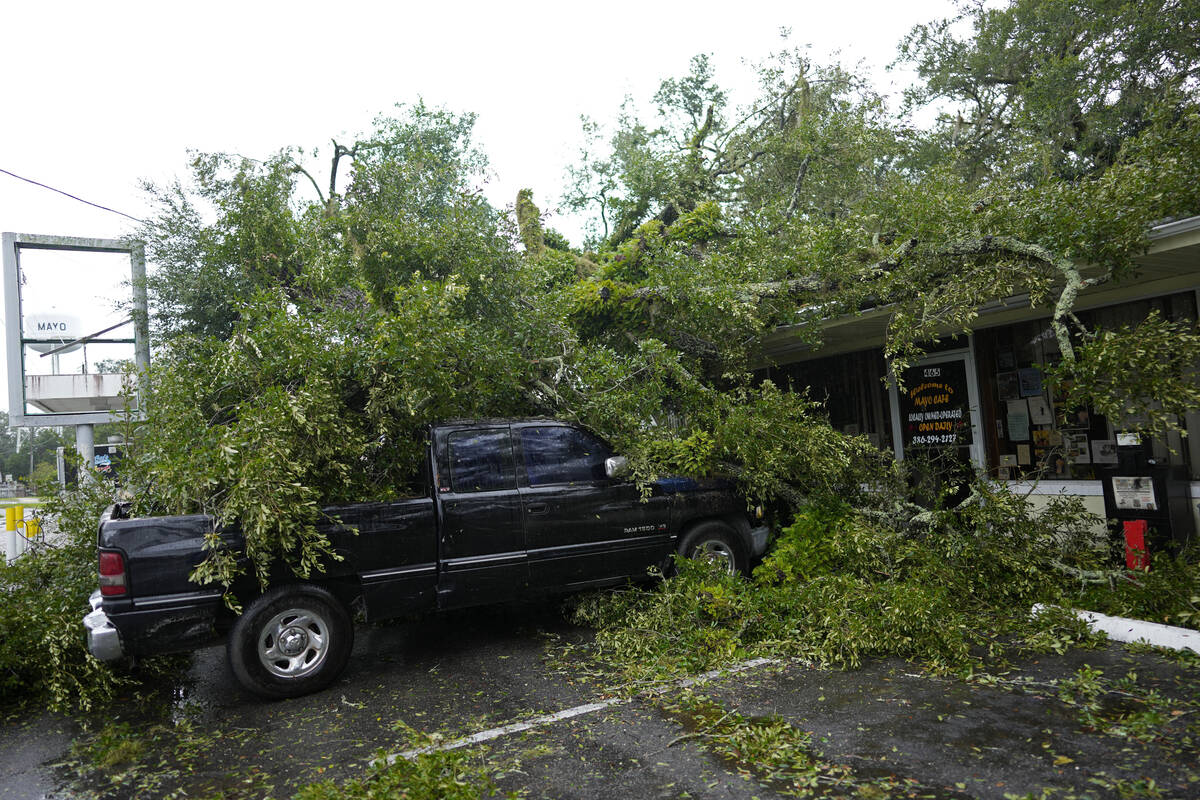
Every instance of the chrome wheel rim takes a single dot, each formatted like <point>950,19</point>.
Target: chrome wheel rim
<point>716,551</point>
<point>294,643</point>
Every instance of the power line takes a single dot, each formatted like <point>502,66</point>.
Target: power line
<point>68,194</point>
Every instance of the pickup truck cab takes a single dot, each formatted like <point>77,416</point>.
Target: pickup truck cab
<point>514,509</point>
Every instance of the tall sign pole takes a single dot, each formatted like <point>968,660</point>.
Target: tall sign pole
<point>44,272</point>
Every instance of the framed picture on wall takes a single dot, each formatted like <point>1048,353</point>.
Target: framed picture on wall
<point>1076,419</point>
<point>1076,448</point>
<point>1017,420</point>
<point>1031,381</point>
<point>1039,411</point>
<point>1008,386</point>
<point>1104,451</point>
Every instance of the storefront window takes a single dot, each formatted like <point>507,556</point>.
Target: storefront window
<point>1031,431</point>
<point>851,386</point>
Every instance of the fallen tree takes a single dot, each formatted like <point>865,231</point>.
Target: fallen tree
<point>307,331</point>
<point>305,341</point>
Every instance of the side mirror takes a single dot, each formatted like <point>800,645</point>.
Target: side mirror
<point>616,466</point>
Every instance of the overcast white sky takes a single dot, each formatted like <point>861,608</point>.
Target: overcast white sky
<point>101,95</point>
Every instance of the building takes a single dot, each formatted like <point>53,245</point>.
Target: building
<point>988,382</point>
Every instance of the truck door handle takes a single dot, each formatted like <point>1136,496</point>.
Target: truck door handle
<point>536,508</point>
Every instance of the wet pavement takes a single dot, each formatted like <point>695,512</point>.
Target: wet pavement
<point>27,746</point>
<point>914,734</point>
<point>459,674</point>
<point>954,737</point>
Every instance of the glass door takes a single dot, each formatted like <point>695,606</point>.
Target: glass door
<point>935,417</point>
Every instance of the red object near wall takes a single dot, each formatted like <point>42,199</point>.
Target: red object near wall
<point>1136,556</point>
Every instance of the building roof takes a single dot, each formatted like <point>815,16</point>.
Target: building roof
<point>1171,264</point>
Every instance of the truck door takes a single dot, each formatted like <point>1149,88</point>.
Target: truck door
<point>581,527</point>
<point>482,542</point>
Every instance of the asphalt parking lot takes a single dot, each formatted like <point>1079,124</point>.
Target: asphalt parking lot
<point>887,725</point>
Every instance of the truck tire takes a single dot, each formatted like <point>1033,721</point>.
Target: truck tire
<point>715,541</point>
<point>291,641</point>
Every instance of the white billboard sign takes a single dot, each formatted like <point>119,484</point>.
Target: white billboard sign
<point>75,316</point>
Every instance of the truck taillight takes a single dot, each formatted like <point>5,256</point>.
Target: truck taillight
<point>112,573</point>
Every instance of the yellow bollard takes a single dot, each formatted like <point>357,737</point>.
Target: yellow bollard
<point>10,535</point>
<point>33,528</point>
<point>17,542</point>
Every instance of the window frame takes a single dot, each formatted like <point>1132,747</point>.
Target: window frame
<point>451,472</point>
<point>523,471</point>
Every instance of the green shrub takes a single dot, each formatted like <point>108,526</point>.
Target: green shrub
<point>1168,592</point>
<point>842,586</point>
<point>44,594</point>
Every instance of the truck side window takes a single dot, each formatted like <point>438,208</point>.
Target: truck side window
<point>481,461</point>
<point>562,455</point>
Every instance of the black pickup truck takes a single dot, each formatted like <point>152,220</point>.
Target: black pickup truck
<point>514,509</point>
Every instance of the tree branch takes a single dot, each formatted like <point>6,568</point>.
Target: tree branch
<point>786,492</point>
<point>296,168</point>
<point>793,287</point>
<point>338,152</point>
<point>801,173</point>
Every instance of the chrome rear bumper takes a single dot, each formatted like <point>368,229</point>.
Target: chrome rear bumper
<point>103,640</point>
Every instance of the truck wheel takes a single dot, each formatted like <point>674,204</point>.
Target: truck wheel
<point>291,641</point>
<point>714,542</point>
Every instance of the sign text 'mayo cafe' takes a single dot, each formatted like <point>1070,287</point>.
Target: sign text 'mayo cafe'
<point>933,410</point>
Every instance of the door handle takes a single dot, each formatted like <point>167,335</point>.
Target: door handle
<point>536,508</point>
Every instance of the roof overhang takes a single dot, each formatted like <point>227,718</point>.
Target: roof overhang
<point>1170,265</point>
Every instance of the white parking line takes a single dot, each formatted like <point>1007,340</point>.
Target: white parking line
<point>558,716</point>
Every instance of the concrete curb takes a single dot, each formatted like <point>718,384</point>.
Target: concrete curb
<point>1123,629</point>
